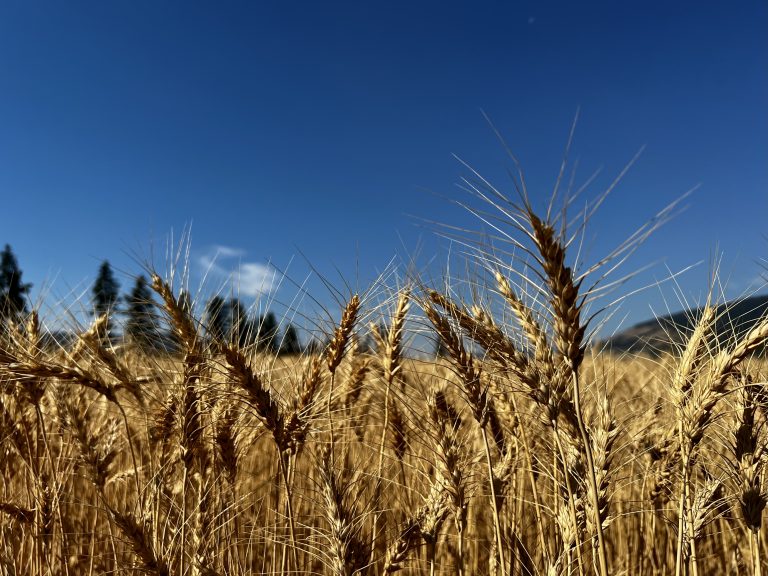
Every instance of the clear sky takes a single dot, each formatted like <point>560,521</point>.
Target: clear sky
<point>318,134</point>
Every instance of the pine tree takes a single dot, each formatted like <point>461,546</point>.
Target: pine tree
<point>13,304</point>
<point>217,318</point>
<point>185,302</point>
<point>105,295</point>
<point>267,333</point>
<point>313,347</point>
<point>290,342</point>
<point>141,326</point>
<point>239,325</point>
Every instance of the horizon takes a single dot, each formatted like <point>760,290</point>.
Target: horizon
<point>321,142</point>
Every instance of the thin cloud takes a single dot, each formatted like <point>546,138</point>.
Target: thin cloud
<point>247,278</point>
<point>228,252</point>
<point>745,287</point>
<point>756,283</point>
<point>254,279</point>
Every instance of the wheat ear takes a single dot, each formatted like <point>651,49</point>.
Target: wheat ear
<point>748,449</point>
<point>335,353</point>
<point>348,552</point>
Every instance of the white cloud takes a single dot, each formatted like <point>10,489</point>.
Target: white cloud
<point>255,279</point>
<point>247,278</point>
<point>228,252</point>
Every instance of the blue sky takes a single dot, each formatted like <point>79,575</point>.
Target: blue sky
<point>320,135</point>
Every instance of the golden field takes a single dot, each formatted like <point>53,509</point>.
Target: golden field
<point>521,450</point>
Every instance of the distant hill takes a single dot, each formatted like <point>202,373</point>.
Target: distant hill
<point>663,333</point>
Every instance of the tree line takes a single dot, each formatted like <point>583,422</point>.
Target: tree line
<point>223,319</point>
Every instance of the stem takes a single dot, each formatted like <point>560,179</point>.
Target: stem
<point>91,552</point>
<point>754,543</point>
<point>642,530</point>
<point>278,496</point>
<point>681,520</point>
<point>330,416</point>
<point>41,432</point>
<point>431,557</point>
<point>38,494</point>
<point>289,506</point>
<point>591,473</point>
<point>379,469</point>
<point>432,561</point>
<point>693,561</point>
<point>497,524</point>
<point>548,553</point>
<point>571,499</point>
<point>183,521</point>
<point>553,528</point>
<point>112,544</point>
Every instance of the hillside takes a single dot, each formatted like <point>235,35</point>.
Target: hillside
<point>661,334</point>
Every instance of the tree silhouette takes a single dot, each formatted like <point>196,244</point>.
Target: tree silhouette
<point>13,304</point>
<point>240,328</point>
<point>217,318</point>
<point>141,326</point>
<point>290,342</point>
<point>105,295</point>
<point>266,340</point>
<point>185,303</point>
<point>314,346</point>
<point>366,344</point>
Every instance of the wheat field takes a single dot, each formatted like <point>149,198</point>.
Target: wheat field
<point>521,449</point>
